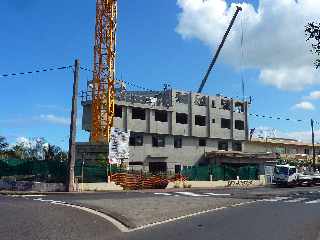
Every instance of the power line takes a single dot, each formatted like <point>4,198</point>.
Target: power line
<point>277,118</point>
<point>35,71</point>
<point>126,82</point>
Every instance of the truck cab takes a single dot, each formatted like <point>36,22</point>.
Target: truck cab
<point>285,175</point>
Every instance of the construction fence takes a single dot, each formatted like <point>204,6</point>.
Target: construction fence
<point>52,171</point>
<point>221,172</point>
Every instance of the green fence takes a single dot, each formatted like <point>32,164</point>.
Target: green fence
<point>47,171</point>
<point>93,172</point>
<point>53,171</point>
<point>220,172</point>
<point>56,171</point>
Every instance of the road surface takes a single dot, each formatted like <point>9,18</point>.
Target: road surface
<point>262,213</point>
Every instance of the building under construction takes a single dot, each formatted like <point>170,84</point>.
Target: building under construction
<point>170,129</point>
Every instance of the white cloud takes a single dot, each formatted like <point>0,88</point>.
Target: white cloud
<point>274,39</point>
<point>304,105</point>
<point>54,119</point>
<point>51,107</point>
<point>314,95</point>
<point>303,136</point>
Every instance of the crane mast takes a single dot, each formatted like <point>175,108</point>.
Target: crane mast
<point>103,89</point>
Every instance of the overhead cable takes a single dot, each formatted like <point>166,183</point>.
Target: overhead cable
<point>35,71</point>
<point>126,82</point>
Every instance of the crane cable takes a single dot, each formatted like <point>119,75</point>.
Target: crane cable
<point>242,57</point>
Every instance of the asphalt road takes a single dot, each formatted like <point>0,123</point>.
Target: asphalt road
<point>278,214</point>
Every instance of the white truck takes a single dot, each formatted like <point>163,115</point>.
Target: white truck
<point>288,175</point>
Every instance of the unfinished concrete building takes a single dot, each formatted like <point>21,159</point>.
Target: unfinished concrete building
<point>170,129</point>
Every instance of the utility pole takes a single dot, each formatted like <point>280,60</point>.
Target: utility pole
<point>313,149</point>
<point>73,128</point>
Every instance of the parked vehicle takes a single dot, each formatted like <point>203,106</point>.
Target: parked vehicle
<point>316,179</point>
<point>305,179</point>
<point>285,175</point>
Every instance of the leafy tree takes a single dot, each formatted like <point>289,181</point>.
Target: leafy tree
<point>20,151</point>
<point>61,156</point>
<point>3,144</point>
<point>312,32</point>
<point>30,149</point>
<point>53,152</point>
<point>102,161</point>
<point>38,149</point>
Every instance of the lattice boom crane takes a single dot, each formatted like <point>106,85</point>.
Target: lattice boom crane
<point>103,91</point>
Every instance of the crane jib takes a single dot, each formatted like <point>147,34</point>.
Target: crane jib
<point>219,49</point>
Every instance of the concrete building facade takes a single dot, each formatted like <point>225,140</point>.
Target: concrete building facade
<point>170,129</point>
<point>289,149</point>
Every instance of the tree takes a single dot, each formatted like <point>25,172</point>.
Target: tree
<point>20,152</point>
<point>3,144</point>
<point>102,161</point>
<point>30,149</point>
<point>312,32</point>
<point>53,152</point>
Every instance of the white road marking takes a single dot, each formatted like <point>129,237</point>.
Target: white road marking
<point>188,216</point>
<point>295,200</point>
<point>191,194</point>
<point>276,199</point>
<point>26,195</point>
<point>43,200</point>
<point>218,194</point>
<point>314,201</point>
<point>164,194</point>
<point>115,222</point>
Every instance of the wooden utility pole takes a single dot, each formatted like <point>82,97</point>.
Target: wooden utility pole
<point>313,149</point>
<point>73,128</point>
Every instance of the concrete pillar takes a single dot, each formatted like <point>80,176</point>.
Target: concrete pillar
<point>229,145</point>
<point>246,128</point>
<point>170,122</point>
<point>148,120</point>
<point>232,118</point>
<point>129,117</point>
<point>125,117</point>
<point>209,122</point>
<point>190,116</point>
<point>151,121</point>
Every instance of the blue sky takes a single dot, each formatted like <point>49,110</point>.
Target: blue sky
<point>150,52</point>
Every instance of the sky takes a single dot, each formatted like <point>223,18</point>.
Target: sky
<point>159,42</point>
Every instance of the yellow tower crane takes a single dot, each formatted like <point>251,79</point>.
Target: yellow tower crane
<point>103,91</point>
